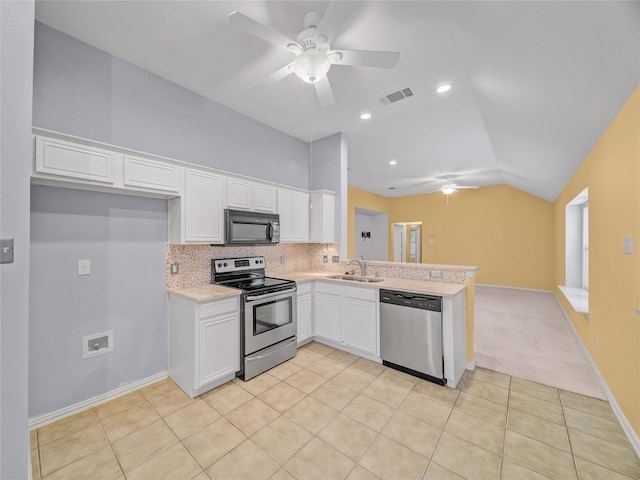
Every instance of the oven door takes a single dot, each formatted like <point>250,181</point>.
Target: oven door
<point>268,319</point>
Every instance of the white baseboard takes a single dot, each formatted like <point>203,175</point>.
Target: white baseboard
<point>42,420</point>
<point>624,423</point>
<point>471,365</point>
<point>513,288</point>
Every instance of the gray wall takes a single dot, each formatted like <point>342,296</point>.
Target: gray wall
<point>16,70</point>
<point>86,92</point>
<point>328,169</point>
<point>125,238</point>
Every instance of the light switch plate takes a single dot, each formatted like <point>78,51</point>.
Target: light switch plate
<point>6,250</point>
<point>628,245</point>
<point>84,267</point>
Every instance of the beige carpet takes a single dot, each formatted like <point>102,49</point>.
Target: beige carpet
<point>525,334</point>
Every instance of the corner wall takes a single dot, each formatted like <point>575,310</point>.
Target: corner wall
<point>612,173</point>
<point>16,72</point>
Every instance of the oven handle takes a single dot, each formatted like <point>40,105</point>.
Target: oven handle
<point>253,298</point>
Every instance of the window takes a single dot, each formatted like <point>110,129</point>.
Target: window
<point>576,287</point>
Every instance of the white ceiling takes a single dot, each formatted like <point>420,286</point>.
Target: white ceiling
<point>534,84</point>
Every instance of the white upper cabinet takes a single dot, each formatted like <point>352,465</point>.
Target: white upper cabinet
<point>143,173</point>
<point>264,198</point>
<point>198,216</point>
<point>293,208</point>
<point>322,214</point>
<point>244,194</point>
<point>67,159</point>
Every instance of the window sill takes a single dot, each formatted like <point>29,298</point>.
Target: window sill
<point>577,297</point>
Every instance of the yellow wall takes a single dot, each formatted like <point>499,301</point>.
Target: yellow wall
<point>506,232</point>
<point>612,173</point>
<point>357,198</point>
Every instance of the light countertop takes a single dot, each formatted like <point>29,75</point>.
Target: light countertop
<point>208,292</point>
<point>414,286</point>
<point>204,293</point>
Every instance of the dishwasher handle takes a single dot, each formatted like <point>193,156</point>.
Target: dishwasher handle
<point>411,300</point>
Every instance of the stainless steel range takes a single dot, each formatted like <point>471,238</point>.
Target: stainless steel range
<point>268,313</point>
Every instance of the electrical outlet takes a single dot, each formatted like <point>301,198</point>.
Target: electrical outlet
<point>597,340</point>
<point>282,259</point>
<point>335,259</point>
<point>435,274</point>
<point>175,268</point>
<point>97,344</point>
<point>628,245</point>
<point>84,267</point>
<point>325,258</point>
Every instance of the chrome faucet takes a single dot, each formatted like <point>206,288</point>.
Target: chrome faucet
<point>363,265</point>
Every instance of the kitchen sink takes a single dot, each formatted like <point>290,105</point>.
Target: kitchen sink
<point>351,278</point>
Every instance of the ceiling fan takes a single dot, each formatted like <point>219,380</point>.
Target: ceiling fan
<point>312,49</point>
<point>449,188</point>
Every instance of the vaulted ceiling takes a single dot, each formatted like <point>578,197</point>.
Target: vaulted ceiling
<point>533,84</point>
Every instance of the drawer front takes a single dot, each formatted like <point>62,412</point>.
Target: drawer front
<point>144,173</point>
<point>58,157</point>
<point>304,288</point>
<point>330,288</point>
<point>368,294</point>
<point>218,307</point>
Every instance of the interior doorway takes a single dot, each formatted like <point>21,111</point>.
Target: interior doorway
<point>371,235</point>
<point>407,242</point>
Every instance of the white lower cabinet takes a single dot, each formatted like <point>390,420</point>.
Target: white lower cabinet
<point>347,315</point>
<point>305,313</point>
<point>204,343</point>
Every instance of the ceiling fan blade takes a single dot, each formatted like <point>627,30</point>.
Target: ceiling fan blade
<point>323,90</point>
<point>274,77</point>
<point>365,58</point>
<point>466,187</point>
<point>334,18</point>
<point>259,30</point>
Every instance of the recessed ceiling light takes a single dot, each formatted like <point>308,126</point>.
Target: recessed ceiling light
<point>365,116</point>
<point>443,88</point>
<point>393,162</point>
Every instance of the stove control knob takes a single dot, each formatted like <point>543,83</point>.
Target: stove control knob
<point>219,264</point>
<point>225,264</point>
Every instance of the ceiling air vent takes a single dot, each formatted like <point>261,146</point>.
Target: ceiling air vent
<point>396,96</point>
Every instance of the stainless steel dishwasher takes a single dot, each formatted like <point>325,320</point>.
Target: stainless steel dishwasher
<point>411,334</point>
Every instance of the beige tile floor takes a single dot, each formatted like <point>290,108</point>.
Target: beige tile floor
<point>326,414</point>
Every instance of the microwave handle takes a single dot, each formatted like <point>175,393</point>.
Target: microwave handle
<point>270,231</point>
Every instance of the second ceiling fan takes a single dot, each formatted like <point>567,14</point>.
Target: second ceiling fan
<point>312,49</point>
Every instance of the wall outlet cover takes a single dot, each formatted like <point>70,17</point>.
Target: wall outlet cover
<point>335,258</point>
<point>84,267</point>
<point>325,258</point>
<point>6,250</point>
<point>97,344</point>
<point>435,274</point>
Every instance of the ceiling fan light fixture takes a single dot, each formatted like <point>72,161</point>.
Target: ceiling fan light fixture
<point>393,162</point>
<point>448,189</point>
<point>443,88</point>
<point>311,66</point>
<point>365,116</point>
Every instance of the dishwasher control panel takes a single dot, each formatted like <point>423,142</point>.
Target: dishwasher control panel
<point>412,300</point>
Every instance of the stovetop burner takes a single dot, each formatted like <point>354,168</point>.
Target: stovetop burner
<point>247,274</point>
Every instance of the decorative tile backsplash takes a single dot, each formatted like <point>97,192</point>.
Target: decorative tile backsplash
<point>195,263</point>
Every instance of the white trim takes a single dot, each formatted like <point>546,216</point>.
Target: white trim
<point>624,423</point>
<point>513,288</point>
<point>42,420</point>
<point>471,273</point>
<point>471,365</point>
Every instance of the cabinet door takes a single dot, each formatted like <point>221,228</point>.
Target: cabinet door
<point>67,159</point>
<point>321,217</point>
<point>327,313</point>
<point>151,174</point>
<point>300,217</point>
<point>218,348</point>
<point>264,198</point>
<point>285,210</point>
<point>360,325</point>
<point>238,194</point>
<point>203,207</point>
<point>305,315</point>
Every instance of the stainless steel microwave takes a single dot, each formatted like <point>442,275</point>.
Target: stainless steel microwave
<point>251,228</point>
